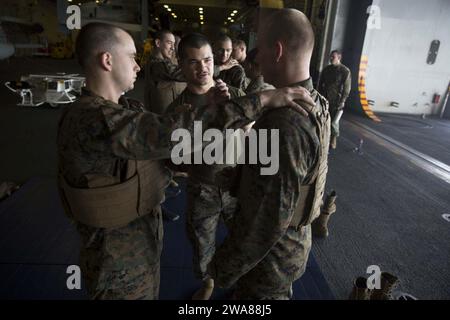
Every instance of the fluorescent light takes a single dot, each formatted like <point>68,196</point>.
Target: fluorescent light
<point>235,11</point>
<point>201,16</point>
<point>168,9</point>
<point>201,22</point>
<point>200,8</point>
<point>232,14</point>
<point>231,20</point>
<point>166,6</point>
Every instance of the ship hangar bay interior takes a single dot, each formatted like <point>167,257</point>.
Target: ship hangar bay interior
<point>390,168</point>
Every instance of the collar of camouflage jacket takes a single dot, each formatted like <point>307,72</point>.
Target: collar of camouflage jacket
<point>102,101</point>
<point>307,84</point>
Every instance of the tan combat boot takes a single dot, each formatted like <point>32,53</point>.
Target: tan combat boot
<point>320,225</point>
<point>205,292</point>
<point>333,142</point>
<point>388,283</point>
<point>360,290</point>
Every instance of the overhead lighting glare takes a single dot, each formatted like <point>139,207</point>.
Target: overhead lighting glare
<point>235,11</point>
<point>166,6</point>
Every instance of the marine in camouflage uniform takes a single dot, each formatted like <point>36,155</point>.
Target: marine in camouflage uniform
<point>270,238</point>
<point>96,138</point>
<point>163,84</point>
<point>253,71</point>
<point>235,76</point>
<point>335,86</point>
<point>206,202</point>
<point>264,253</point>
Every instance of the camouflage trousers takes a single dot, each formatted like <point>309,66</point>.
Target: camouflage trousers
<point>123,263</point>
<point>334,126</point>
<point>272,277</point>
<point>205,205</point>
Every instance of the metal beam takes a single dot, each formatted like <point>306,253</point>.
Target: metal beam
<point>206,3</point>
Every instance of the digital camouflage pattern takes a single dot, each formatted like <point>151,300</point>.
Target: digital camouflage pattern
<point>262,256</point>
<point>206,202</point>
<point>163,83</point>
<point>335,85</point>
<point>95,140</point>
<point>234,77</point>
<point>257,85</point>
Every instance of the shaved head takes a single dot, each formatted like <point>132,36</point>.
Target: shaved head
<point>293,29</point>
<point>285,45</point>
<point>95,38</point>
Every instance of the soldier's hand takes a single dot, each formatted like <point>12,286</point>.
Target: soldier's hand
<point>285,98</point>
<point>218,93</point>
<point>228,65</point>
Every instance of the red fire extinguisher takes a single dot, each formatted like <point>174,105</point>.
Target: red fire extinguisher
<point>436,98</point>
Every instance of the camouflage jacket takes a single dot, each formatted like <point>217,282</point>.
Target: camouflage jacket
<point>335,84</point>
<point>96,137</point>
<point>261,245</point>
<point>196,101</point>
<point>159,69</point>
<point>257,85</point>
<point>234,77</point>
<point>163,83</point>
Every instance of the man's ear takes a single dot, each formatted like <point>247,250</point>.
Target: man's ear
<point>157,43</point>
<point>278,51</point>
<point>106,61</point>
